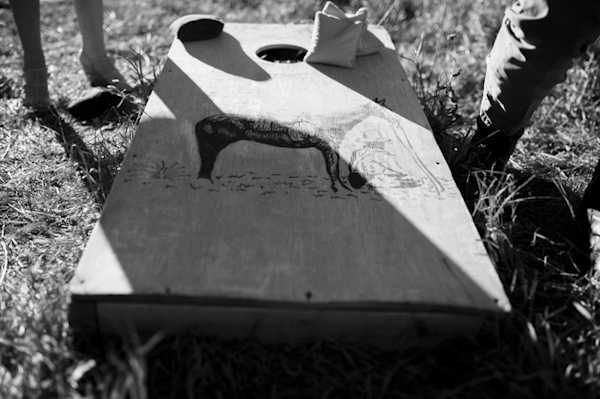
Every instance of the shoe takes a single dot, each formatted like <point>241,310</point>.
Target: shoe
<point>102,73</point>
<point>493,147</point>
<point>589,219</point>
<point>591,196</point>
<point>593,219</point>
<point>36,88</point>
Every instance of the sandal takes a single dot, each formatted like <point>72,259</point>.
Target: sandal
<point>36,88</point>
<point>101,72</point>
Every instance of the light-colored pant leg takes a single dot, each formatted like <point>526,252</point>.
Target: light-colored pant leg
<point>534,49</point>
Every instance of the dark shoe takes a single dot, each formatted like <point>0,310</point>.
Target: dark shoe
<point>101,72</point>
<point>589,219</point>
<point>493,147</point>
<point>593,218</point>
<point>591,197</point>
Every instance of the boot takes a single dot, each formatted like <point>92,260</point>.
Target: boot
<point>493,147</point>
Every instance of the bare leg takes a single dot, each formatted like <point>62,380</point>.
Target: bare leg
<point>98,68</point>
<point>90,19</point>
<point>27,19</point>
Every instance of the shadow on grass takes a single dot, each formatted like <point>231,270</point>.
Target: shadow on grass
<point>193,365</point>
<point>100,105</point>
<point>95,175</point>
<point>532,226</point>
<point>553,220</point>
<point>547,222</point>
<point>334,369</point>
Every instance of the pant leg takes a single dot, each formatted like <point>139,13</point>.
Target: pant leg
<point>534,49</point>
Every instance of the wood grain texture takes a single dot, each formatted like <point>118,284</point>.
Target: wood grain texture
<point>249,180</point>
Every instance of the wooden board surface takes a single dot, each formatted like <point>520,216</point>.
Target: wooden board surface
<point>257,184</point>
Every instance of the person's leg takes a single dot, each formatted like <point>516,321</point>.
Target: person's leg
<point>90,19</point>
<point>98,68</point>
<point>27,18</point>
<point>534,49</point>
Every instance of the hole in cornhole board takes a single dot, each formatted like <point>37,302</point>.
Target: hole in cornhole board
<point>282,53</point>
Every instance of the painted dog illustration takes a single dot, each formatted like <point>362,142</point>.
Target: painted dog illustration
<point>217,132</point>
<point>323,132</point>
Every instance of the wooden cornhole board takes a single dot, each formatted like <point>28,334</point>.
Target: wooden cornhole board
<point>284,201</point>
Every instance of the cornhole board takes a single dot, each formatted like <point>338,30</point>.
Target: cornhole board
<point>284,201</point>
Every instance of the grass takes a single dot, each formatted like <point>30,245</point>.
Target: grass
<point>56,172</point>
